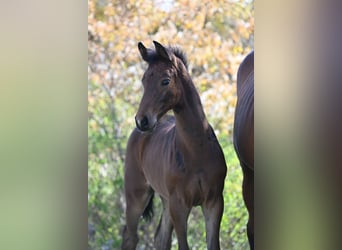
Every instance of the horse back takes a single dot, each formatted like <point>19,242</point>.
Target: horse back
<point>244,112</point>
<point>245,70</point>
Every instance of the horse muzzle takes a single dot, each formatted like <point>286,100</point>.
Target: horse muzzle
<point>145,124</point>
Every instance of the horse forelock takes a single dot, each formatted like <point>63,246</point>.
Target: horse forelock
<point>153,57</point>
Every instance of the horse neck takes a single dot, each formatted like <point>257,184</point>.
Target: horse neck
<point>191,123</point>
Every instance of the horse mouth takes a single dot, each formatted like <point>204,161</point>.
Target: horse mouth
<point>144,128</point>
<point>147,130</point>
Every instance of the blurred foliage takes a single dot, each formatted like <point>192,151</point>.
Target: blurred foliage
<point>216,35</point>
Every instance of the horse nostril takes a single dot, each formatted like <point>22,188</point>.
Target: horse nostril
<point>144,123</point>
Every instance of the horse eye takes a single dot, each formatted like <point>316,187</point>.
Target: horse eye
<point>165,82</point>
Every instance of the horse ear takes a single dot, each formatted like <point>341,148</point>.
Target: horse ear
<point>143,51</point>
<point>162,51</point>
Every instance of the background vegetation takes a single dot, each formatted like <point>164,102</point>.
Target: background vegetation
<point>216,35</point>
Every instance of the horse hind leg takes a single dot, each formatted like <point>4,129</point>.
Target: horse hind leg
<point>162,239</point>
<point>248,196</point>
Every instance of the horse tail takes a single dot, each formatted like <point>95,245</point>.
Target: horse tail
<point>148,212</point>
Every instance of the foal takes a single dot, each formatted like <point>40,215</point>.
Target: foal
<point>177,156</point>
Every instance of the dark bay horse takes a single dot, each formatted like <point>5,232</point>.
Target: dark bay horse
<point>244,136</point>
<point>178,156</point>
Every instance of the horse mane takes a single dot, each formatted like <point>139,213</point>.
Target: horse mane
<point>177,51</point>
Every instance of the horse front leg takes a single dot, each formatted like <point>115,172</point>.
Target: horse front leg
<point>179,213</point>
<point>137,193</point>
<point>136,203</point>
<point>212,211</point>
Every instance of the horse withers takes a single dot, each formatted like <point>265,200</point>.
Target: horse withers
<point>244,136</point>
<point>178,157</point>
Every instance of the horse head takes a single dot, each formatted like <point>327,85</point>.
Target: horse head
<point>161,85</point>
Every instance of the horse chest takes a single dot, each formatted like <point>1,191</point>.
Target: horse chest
<point>195,189</point>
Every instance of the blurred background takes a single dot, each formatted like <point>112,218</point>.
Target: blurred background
<point>216,36</point>
<point>46,118</point>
